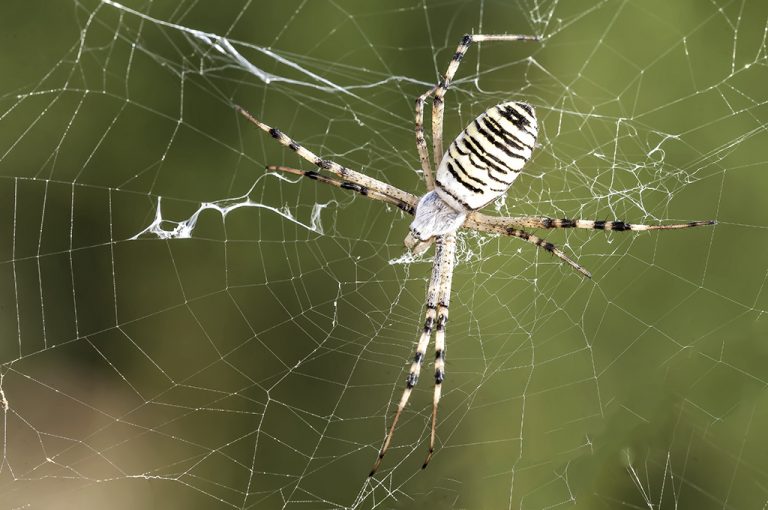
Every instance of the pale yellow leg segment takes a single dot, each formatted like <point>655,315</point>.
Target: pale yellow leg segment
<point>439,378</point>
<point>533,239</point>
<point>448,253</point>
<point>439,103</point>
<point>407,206</point>
<point>413,377</point>
<point>433,292</point>
<point>484,222</point>
<point>421,142</point>
<point>510,226</point>
<point>345,173</point>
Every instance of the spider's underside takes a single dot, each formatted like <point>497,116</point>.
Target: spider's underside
<point>480,165</point>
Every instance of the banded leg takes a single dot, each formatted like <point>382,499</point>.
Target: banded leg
<point>448,253</point>
<point>345,173</point>
<point>549,223</point>
<point>408,206</point>
<point>503,229</point>
<point>418,358</point>
<point>421,142</point>
<point>442,87</point>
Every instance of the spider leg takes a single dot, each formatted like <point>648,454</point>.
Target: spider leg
<point>547,246</point>
<point>346,174</point>
<point>421,349</point>
<point>505,229</point>
<point>421,142</point>
<point>448,251</point>
<point>408,206</point>
<point>544,222</point>
<point>442,86</point>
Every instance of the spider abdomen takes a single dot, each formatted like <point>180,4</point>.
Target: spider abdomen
<point>485,159</point>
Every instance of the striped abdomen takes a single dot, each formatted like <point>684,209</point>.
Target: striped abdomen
<point>484,160</point>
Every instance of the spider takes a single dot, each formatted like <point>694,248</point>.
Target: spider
<point>481,164</point>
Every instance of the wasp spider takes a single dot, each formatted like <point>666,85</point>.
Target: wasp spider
<point>481,163</point>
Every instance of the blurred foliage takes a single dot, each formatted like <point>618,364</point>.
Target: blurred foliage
<point>256,365</point>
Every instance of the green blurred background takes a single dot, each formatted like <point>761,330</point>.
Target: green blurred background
<point>257,363</point>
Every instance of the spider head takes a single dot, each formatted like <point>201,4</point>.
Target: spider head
<point>434,217</point>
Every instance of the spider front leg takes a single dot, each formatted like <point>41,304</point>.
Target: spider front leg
<point>448,253</point>
<point>434,291</point>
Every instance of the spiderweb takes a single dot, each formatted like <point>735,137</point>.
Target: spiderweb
<point>182,329</point>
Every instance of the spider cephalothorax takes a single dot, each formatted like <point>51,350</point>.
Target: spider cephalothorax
<point>481,164</point>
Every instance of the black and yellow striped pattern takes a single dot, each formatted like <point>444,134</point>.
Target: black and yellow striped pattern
<point>486,158</point>
<point>481,164</point>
